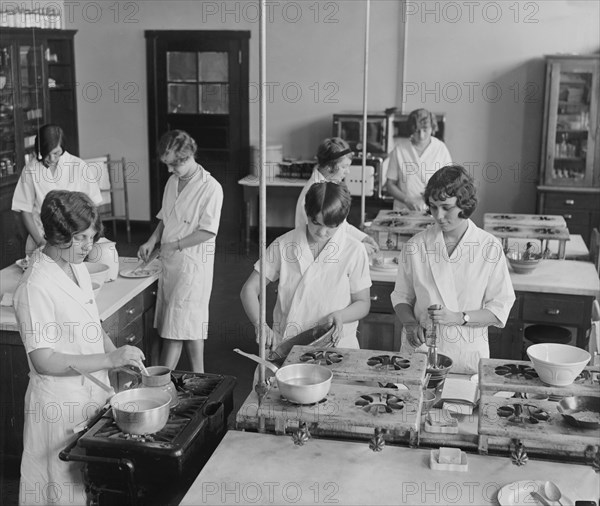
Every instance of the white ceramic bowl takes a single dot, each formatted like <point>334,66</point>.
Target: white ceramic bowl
<point>557,364</point>
<point>96,287</point>
<point>98,272</point>
<point>522,266</point>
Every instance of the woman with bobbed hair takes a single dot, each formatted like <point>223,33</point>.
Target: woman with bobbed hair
<point>457,267</point>
<point>53,169</point>
<point>187,230</point>
<point>334,158</point>
<point>60,328</point>
<point>414,160</point>
<point>323,273</point>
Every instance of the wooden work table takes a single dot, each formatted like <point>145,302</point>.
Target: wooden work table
<point>126,309</point>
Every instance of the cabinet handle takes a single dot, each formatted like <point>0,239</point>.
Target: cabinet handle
<point>130,311</point>
<point>569,202</point>
<point>374,297</point>
<point>568,216</point>
<point>553,312</point>
<point>130,339</point>
<point>153,293</point>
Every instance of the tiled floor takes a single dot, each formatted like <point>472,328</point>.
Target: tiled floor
<point>228,328</point>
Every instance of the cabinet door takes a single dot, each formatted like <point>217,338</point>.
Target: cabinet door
<point>379,331</point>
<point>506,342</point>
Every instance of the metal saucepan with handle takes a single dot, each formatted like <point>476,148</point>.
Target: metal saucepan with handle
<point>301,383</point>
<point>137,411</point>
<point>580,411</point>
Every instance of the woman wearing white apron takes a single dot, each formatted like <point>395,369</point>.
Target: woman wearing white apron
<point>334,158</point>
<point>323,273</point>
<point>456,265</point>
<point>55,169</point>
<point>189,222</point>
<point>60,327</point>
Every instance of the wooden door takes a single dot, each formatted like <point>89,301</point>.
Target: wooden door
<point>198,82</point>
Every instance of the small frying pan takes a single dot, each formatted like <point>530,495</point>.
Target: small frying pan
<point>574,411</point>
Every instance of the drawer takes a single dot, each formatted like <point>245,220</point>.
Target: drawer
<point>133,334</point>
<point>380,297</point>
<point>149,296</point>
<point>125,315</point>
<point>554,309</point>
<point>578,221</point>
<point>571,201</point>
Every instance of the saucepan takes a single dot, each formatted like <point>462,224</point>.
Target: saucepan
<point>581,411</point>
<point>300,383</point>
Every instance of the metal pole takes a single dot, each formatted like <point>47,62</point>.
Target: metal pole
<point>364,132</point>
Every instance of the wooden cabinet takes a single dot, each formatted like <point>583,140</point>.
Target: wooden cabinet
<point>131,324</point>
<point>570,158</point>
<point>37,86</point>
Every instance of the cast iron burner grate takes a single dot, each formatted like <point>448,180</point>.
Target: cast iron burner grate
<point>513,371</point>
<point>504,217</point>
<point>389,362</point>
<point>379,403</point>
<point>322,357</point>
<point>502,228</point>
<point>523,414</point>
<point>285,400</point>
<point>543,218</point>
<point>547,231</point>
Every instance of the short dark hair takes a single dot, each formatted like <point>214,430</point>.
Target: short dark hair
<point>48,138</point>
<point>416,117</point>
<point>65,213</point>
<point>327,153</point>
<point>330,199</point>
<point>453,181</point>
<point>178,142</point>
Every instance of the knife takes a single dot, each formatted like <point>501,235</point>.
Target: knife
<point>539,498</point>
<point>152,256</point>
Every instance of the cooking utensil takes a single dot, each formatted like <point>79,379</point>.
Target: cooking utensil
<point>573,410</point>
<point>538,498</point>
<point>95,380</point>
<point>141,410</point>
<point>320,335</point>
<point>143,263</point>
<point>432,359</point>
<point>552,492</point>
<point>300,383</point>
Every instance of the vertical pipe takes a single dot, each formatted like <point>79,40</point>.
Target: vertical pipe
<point>364,129</point>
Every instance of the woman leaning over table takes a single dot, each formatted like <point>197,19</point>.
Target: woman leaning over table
<point>189,222</point>
<point>458,266</point>
<point>60,327</point>
<point>54,169</point>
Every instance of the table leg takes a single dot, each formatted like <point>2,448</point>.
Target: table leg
<point>562,249</point>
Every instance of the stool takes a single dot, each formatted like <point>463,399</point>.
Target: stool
<point>535,334</point>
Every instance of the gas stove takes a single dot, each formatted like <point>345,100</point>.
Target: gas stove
<point>530,226</point>
<point>157,468</point>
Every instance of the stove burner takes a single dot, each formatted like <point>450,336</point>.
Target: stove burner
<point>547,231</point>
<point>389,362</point>
<point>502,228</point>
<point>322,357</point>
<point>196,385</point>
<point>391,223</point>
<point>397,213</point>
<point>543,218</point>
<point>587,376</point>
<point>513,371</point>
<point>310,405</point>
<point>504,217</point>
<point>524,414</point>
<point>379,403</point>
<point>424,225</point>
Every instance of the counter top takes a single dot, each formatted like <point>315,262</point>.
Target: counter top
<point>110,298</point>
<point>273,181</point>
<point>569,277</point>
<point>251,468</point>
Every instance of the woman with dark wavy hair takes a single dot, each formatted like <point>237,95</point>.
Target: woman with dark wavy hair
<point>457,267</point>
<point>60,328</point>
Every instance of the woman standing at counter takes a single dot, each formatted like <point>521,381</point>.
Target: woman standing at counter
<point>60,327</point>
<point>334,158</point>
<point>323,273</point>
<point>414,160</point>
<point>54,169</point>
<point>189,222</point>
<point>456,265</point>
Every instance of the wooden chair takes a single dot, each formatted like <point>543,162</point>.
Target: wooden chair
<point>595,249</point>
<point>112,179</point>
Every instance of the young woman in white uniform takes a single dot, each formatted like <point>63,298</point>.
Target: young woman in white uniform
<point>60,327</point>
<point>456,265</point>
<point>189,222</point>
<point>414,160</point>
<point>55,169</point>
<point>334,158</point>
<point>323,273</point>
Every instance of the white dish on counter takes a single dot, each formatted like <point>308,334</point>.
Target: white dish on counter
<point>146,272</point>
<point>389,264</point>
<point>518,493</point>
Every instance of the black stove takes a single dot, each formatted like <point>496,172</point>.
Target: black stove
<point>156,468</point>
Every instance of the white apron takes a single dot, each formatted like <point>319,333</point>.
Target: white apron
<point>185,283</point>
<point>309,288</point>
<point>474,277</point>
<point>53,312</point>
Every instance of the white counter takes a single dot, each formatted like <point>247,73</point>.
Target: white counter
<point>111,296</point>
<point>251,468</point>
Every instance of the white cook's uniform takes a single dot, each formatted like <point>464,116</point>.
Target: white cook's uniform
<point>36,181</point>
<point>310,289</point>
<point>53,312</point>
<point>302,219</point>
<point>411,171</point>
<point>185,283</point>
<point>474,277</point>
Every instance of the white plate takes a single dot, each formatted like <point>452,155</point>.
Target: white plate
<point>388,265</point>
<point>518,493</point>
<point>149,270</point>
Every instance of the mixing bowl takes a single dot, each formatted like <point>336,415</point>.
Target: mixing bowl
<point>523,265</point>
<point>98,272</point>
<point>557,364</point>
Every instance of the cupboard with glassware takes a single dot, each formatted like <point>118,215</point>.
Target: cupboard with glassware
<point>569,181</point>
<point>37,86</point>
